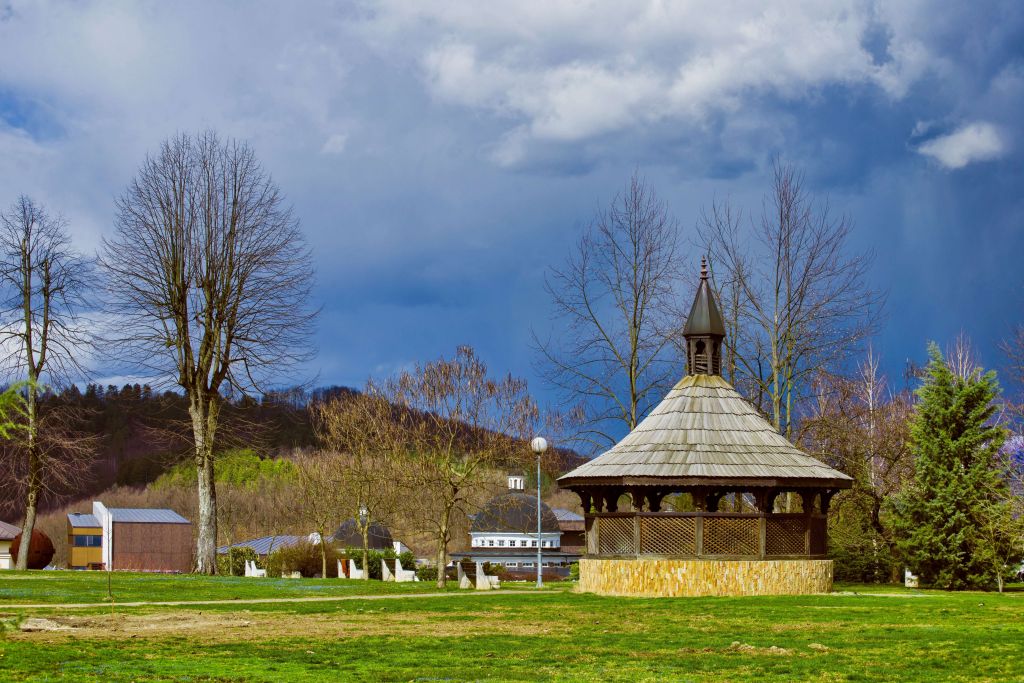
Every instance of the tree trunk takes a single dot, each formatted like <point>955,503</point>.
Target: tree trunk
<point>323,553</point>
<point>203,422</point>
<point>31,505</point>
<point>442,552</point>
<point>35,475</point>
<point>366,550</point>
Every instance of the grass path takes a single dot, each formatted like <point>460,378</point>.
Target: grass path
<point>257,601</point>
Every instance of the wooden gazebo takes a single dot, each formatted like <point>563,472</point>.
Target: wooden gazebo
<point>705,440</point>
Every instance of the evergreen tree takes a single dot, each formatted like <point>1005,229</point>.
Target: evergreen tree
<point>946,519</point>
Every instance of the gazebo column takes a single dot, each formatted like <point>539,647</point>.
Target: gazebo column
<point>611,499</point>
<point>654,499</point>
<point>826,500</point>
<point>713,497</point>
<point>700,499</point>
<point>585,500</point>
<point>636,498</point>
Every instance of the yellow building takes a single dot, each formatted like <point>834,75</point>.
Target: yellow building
<point>85,541</point>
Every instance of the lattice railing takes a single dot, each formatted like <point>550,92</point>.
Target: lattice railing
<point>731,536</point>
<point>615,536</point>
<point>706,534</point>
<point>668,535</point>
<point>785,536</point>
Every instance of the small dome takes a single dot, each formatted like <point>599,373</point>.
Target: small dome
<point>348,536</point>
<point>516,513</point>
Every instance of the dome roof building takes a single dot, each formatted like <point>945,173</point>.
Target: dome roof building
<point>514,511</point>
<point>505,532</point>
<point>347,536</point>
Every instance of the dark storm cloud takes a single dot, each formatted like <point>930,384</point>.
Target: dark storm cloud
<point>441,155</point>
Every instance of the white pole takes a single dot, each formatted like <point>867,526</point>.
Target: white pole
<point>539,445</point>
<point>540,576</point>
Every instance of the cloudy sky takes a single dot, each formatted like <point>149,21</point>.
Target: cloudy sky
<point>442,155</point>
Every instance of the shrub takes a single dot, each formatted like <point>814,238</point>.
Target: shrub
<point>303,557</point>
<point>426,572</point>
<point>233,562</point>
<point>574,571</point>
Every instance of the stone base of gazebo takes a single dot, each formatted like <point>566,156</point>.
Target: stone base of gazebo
<point>655,577</point>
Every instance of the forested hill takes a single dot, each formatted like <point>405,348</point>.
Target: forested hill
<point>140,433</point>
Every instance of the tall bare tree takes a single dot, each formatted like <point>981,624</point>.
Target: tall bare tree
<point>456,423</point>
<point>208,281</point>
<point>42,280</point>
<point>614,305</point>
<point>801,302</point>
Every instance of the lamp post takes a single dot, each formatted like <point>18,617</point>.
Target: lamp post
<point>539,445</point>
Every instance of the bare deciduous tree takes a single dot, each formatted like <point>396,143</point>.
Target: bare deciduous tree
<point>321,482</point>
<point>208,279</point>
<point>359,430</point>
<point>863,429</point>
<point>614,301</point>
<point>456,422</point>
<point>42,280</point>
<point>799,301</point>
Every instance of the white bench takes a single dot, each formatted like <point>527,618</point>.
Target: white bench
<point>404,575</point>
<point>252,570</point>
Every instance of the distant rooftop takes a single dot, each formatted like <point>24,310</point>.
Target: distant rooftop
<point>8,531</point>
<point>81,519</point>
<point>146,516</point>
<point>263,546</point>
<point>566,515</point>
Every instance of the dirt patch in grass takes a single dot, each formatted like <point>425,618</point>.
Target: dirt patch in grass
<point>219,627</point>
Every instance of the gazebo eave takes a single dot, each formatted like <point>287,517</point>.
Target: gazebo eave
<point>683,483</point>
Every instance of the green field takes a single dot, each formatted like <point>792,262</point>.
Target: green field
<point>862,633</point>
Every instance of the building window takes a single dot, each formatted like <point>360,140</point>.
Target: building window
<point>511,564</point>
<point>88,541</point>
<point>501,543</point>
<point>533,544</point>
<point>491,543</point>
<point>527,564</point>
<point>522,544</point>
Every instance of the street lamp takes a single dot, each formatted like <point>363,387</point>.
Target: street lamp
<point>539,445</point>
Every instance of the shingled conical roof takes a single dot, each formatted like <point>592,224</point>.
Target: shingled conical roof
<point>704,318</point>
<point>705,434</point>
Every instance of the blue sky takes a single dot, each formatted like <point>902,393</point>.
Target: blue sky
<point>442,155</point>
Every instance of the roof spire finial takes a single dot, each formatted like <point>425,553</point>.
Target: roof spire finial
<point>703,268</point>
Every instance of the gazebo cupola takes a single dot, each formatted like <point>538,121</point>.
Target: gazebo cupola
<point>704,330</point>
<point>702,445</point>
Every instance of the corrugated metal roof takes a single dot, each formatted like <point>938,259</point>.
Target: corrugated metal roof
<point>8,531</point>
<point>564,515</point>
<point>80,519</point>
<point>704,429</point>
<point>146,516</point>
<point>264,546</point>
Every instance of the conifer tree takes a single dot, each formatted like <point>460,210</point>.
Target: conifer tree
<point>946,519</point>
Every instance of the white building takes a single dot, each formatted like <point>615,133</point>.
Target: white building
<point>505,532</point>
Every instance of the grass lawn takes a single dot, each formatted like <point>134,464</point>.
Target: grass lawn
<point>91,587</point>
<point>861,634</point>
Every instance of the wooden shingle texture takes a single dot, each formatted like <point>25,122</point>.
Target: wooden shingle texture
<point>703,429</point>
